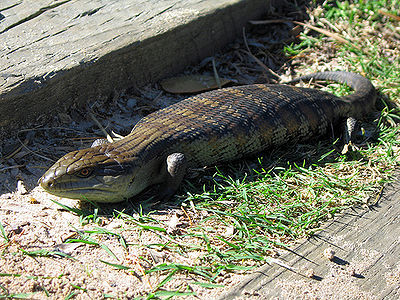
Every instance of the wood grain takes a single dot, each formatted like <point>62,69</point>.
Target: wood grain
<point>56,53</point>
<point>364,240</point>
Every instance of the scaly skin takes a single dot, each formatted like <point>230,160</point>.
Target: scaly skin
<point>212,127</point>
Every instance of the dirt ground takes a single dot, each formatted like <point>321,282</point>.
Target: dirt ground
<point>36,262</point>
<point>355,256</point>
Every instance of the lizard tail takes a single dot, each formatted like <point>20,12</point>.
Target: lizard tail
<point>361,101</point>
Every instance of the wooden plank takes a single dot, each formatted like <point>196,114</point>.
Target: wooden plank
<point>56,53</point>
<point>366,264</point>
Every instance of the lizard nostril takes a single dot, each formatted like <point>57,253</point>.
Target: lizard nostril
<point>46,181</point>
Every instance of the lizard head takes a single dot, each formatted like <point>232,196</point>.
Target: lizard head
<point>97,174</point>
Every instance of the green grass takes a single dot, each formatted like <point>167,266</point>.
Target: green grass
<point>288,195</point>
<point>253,208</point>
<point>3,234</point>
<point>45,253</point>
<point>249,210</point>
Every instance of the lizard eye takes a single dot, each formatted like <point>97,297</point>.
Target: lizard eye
<point>85,172</point>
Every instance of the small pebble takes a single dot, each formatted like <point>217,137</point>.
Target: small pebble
<point>41,214</point>
<point>21,189</point>
<point>173,223</point>
<point>329,253</point>
<point>351,271</point>
<point>309,273</point>
<point>229,231</point>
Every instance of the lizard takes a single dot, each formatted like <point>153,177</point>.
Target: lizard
<point>212,127</point>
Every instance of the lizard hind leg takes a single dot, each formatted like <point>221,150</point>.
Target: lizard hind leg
<point>350,130</point>
<point>349,135</point>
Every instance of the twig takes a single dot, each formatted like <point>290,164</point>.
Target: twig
<point>397,18</point>
<point>136,260</point>
<point>11,167</point>
<point>217,80</point>
<point>24,144</point>
<point>255,58</point>
<point>91,115</point>
<point>320,30</point>
<point>190,220</point>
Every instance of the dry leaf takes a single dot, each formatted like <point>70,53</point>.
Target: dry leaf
<point>191,84</point>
